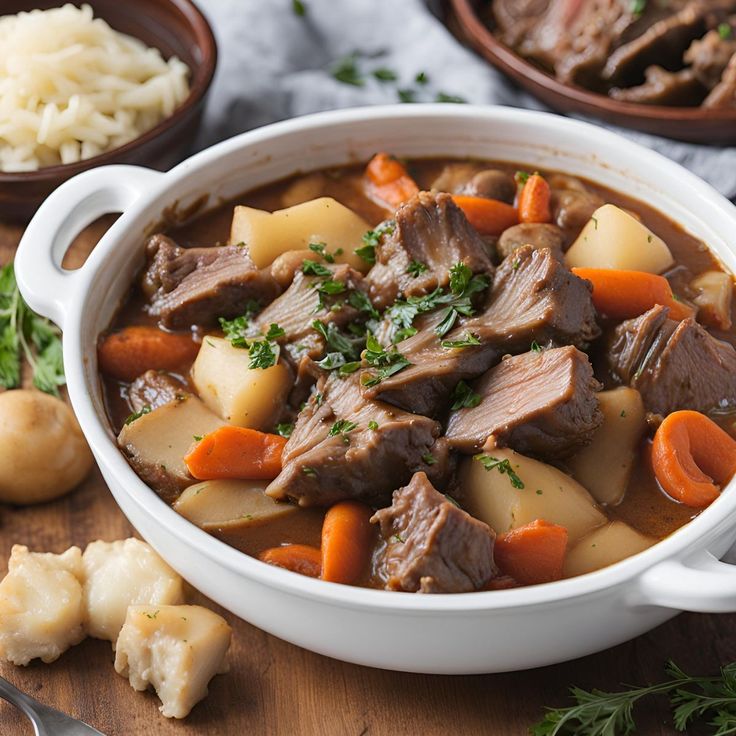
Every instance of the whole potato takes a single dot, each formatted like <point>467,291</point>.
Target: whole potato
<point>43,453</point>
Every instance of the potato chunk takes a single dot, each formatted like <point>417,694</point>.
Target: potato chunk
<point>41,605</point>
<point>156,443</point>
<point>613,238</point>
<point>322,220</point>
<point>604,546</point>
<point>230,504</point>
<point>176,649</point>
<point>604,466</point>
<point>246,397</point>
<point>548,494</point>
<point>119,574</point>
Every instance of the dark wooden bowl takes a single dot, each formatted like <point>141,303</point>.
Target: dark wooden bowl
<point>692,124</point>
<point>176,27</point>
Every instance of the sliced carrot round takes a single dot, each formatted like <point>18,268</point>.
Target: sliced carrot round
<point>299,558</point>
<point>693,458</point>
<point>533,553</point>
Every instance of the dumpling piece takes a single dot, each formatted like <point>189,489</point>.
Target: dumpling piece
<point>119,574</point>
<point>41,605</point>
<point>175,649</point>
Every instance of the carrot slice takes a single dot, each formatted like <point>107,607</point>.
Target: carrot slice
<point>533,553</point>
<point>487,216</point>
<point>387,181</point>
<point>299,558</point>
<point>693,458</point>
<point>625,294</point>
<point>347,535</point>
<point>534,200</point>
<point>127,354</point>
<point>236,452</point>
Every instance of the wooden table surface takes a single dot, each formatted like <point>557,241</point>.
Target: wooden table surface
<point>276,688</point>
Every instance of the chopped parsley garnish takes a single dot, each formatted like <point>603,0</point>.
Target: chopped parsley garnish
<point>397,538</point>
<point>341,426</point>
<point>463,397</point>
<point>623,413</point>
<point>429,458</point>
<point>25,334</point>
<point>372,425</point>
<point>444,97</point>
<point>236,330</point>
<point>309,471</point>
<point>285,429</point>
<point>372,238</point>
<point>385,75</point>
<point>386,361</point>
<point>406,95</point>
<point>521,177</point>
<point>638,7</point>
<point>346,71</point>
<point>312,268</point>
<point>138,414</point>
<point>262,354</point>
<point>334,338</point>
<point>515,264</point>
<point>321,248</point>
<point>725,31</point>
<point>198,437</point>
<point>595,222</point>
<point>421,78</point>
<point>503,466</point>
<point>416,268</point>
<point>299,8</point>
<point>467,340</point>
<point>535,347</point>
<point>360,301</point>
<point>275,332</point>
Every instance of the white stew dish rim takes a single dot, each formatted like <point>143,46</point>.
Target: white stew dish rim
<point>64,297</point>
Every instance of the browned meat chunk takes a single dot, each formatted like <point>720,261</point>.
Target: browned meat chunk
<point>534,297</point>
<point>663,43</point>
<point>663,87</point>
<point>195,286</point>
<point>538,403</point>
<point>573,203</point>
<point>431,545</point>
<point>343,447</point>
<point>709,56</point>
<point>476,181</point>
<point>674,365</point>
<point>724,94</point>
<point>538,235</point>
<point>154,389</point>
<point>430,230</point>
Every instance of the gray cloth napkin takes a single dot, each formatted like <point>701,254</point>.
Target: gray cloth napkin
<point>275,64</point>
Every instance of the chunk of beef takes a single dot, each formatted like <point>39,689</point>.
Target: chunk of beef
<point>664,44</point>
<point>534,297</point>
<point>431,545</point>
<point>674,365</point>
<point>299,306</point>
<point>323,465</point>
<point>573,203</point>
<point>515,19</point>
<point>724,93</point>
<point>663,87</point>
<point>154,389</point>
<point>538,403</point>
<point>432,230</point>
<point>195,286</point>
<point>537,235</point>
<point>709,56</point>
<point>476,181</point>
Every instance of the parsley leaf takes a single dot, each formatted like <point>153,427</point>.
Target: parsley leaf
<point>262,354</point>
<point>463,397</point>
<point>503,467</point>
<point>429,458</point>
<point>372,238</point>
<point>535,347</point>
<point>416,268</point>
<point>138,414</point>
<point>406,95</point>
<point>385,75</point>
<point>312,268</point>
<point>388,362</point>
<point>299,8</point>
<point>467,340</point>
<point>321,248</point>
<point>444,97</point>
<point>341,426</point>
<point>285,429</point>
<point>421,78</point>
<point>346,71</point>
<point>274,332</point>
<point>360,301</point>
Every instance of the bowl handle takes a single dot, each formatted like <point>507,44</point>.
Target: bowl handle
<point>702,584</point>
<point>42,280</point>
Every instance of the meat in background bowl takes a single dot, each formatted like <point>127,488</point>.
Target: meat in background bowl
<point>463,633</point>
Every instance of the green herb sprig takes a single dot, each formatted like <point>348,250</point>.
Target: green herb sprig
<point>502,466</point>
<point>387,361</point>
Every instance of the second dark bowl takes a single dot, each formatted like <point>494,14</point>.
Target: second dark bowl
<point>176,28</point>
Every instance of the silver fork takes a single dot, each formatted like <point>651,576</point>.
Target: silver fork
<point>46,721</point>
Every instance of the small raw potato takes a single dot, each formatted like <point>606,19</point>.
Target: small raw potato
<point>246,397</point>
<point>612,543</point>
<point>175,649</point>
<point>322,220</point>
<point>714,295</point>
<point>230,505</point>
<point>120,574</point>
<point>43,453</point>
<point>614,239</point>
<point>492,495</point>
<point>156,443</point>
<point>41,605</point>
<point>604,466</point>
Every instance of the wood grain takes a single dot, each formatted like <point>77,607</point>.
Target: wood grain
<point>275,688</point>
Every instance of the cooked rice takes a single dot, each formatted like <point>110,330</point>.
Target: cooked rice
<point>71,87</point>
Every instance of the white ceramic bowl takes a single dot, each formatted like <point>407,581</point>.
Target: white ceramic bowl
<point>467,633</point>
